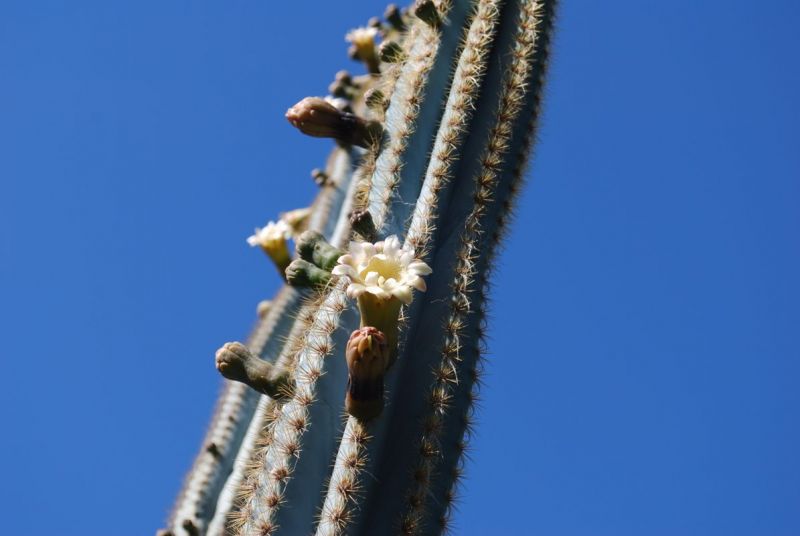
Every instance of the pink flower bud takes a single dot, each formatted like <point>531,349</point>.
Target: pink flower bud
<point>367,356</point>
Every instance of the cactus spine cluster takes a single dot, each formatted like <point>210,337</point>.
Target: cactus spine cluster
<point>351,416</point>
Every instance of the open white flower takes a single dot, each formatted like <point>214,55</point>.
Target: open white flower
<point>384,269</point>
<point>270,236</point>
<point>362,37</point>
<point>272,239</point>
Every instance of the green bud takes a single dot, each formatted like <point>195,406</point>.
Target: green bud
<point>313,247</point>
<point>301,273</point>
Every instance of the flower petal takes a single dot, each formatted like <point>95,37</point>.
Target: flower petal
<point>418,283</point>
<point>420,268</point>
<point>403,293</point>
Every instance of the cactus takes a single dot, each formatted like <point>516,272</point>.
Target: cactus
<point>349,409</point>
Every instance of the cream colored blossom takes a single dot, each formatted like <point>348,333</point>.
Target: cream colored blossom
<point>270,236</point>
<point>362,37</point>
<point>384,269</point>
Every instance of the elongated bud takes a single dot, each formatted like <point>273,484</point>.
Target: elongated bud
<point>394,17</point>
<point>317,117</point>
<point>313,247</point>
<point>391,52</point>
<point>367,356</point>
<point>362,223</point>
<point>426,11</point>
<point>235,362</point>
<point>301,273</point>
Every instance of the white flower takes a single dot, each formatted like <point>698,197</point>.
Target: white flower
<point>362,37</point>
<point>384,269</point>
<point>270,236</point>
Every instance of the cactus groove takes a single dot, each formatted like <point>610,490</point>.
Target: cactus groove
<point>447,115</point>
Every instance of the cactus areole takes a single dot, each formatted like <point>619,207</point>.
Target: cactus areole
<point>348,409</point>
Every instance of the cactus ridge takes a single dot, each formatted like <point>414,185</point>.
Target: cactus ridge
<point>289,430</point>
<point>413,114</point>
<point>458,110</point>
<point>251,454</point>
<point>459,425</point>
<point>235,406</point>
<point>458,90</point>
<point>456,369</point>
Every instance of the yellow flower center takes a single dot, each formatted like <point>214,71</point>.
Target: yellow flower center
<point>386,269</point>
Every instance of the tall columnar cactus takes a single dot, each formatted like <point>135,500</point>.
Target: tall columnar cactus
<point>349,409</point>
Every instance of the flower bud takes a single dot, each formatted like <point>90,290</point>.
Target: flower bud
<point>367,356</point>
<point>235,362</point>
<point>313,247</point>
<point>319,118</point>
<point>362,223</point>
<point>301,273</point>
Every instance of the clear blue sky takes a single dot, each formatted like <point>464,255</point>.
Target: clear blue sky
<point>646,329</point>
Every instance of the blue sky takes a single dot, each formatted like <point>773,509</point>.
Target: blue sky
<point>645,345</point>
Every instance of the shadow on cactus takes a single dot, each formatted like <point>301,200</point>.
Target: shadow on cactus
<point>349,408</point>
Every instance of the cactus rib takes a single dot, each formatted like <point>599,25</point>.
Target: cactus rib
<point>454,120</point>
